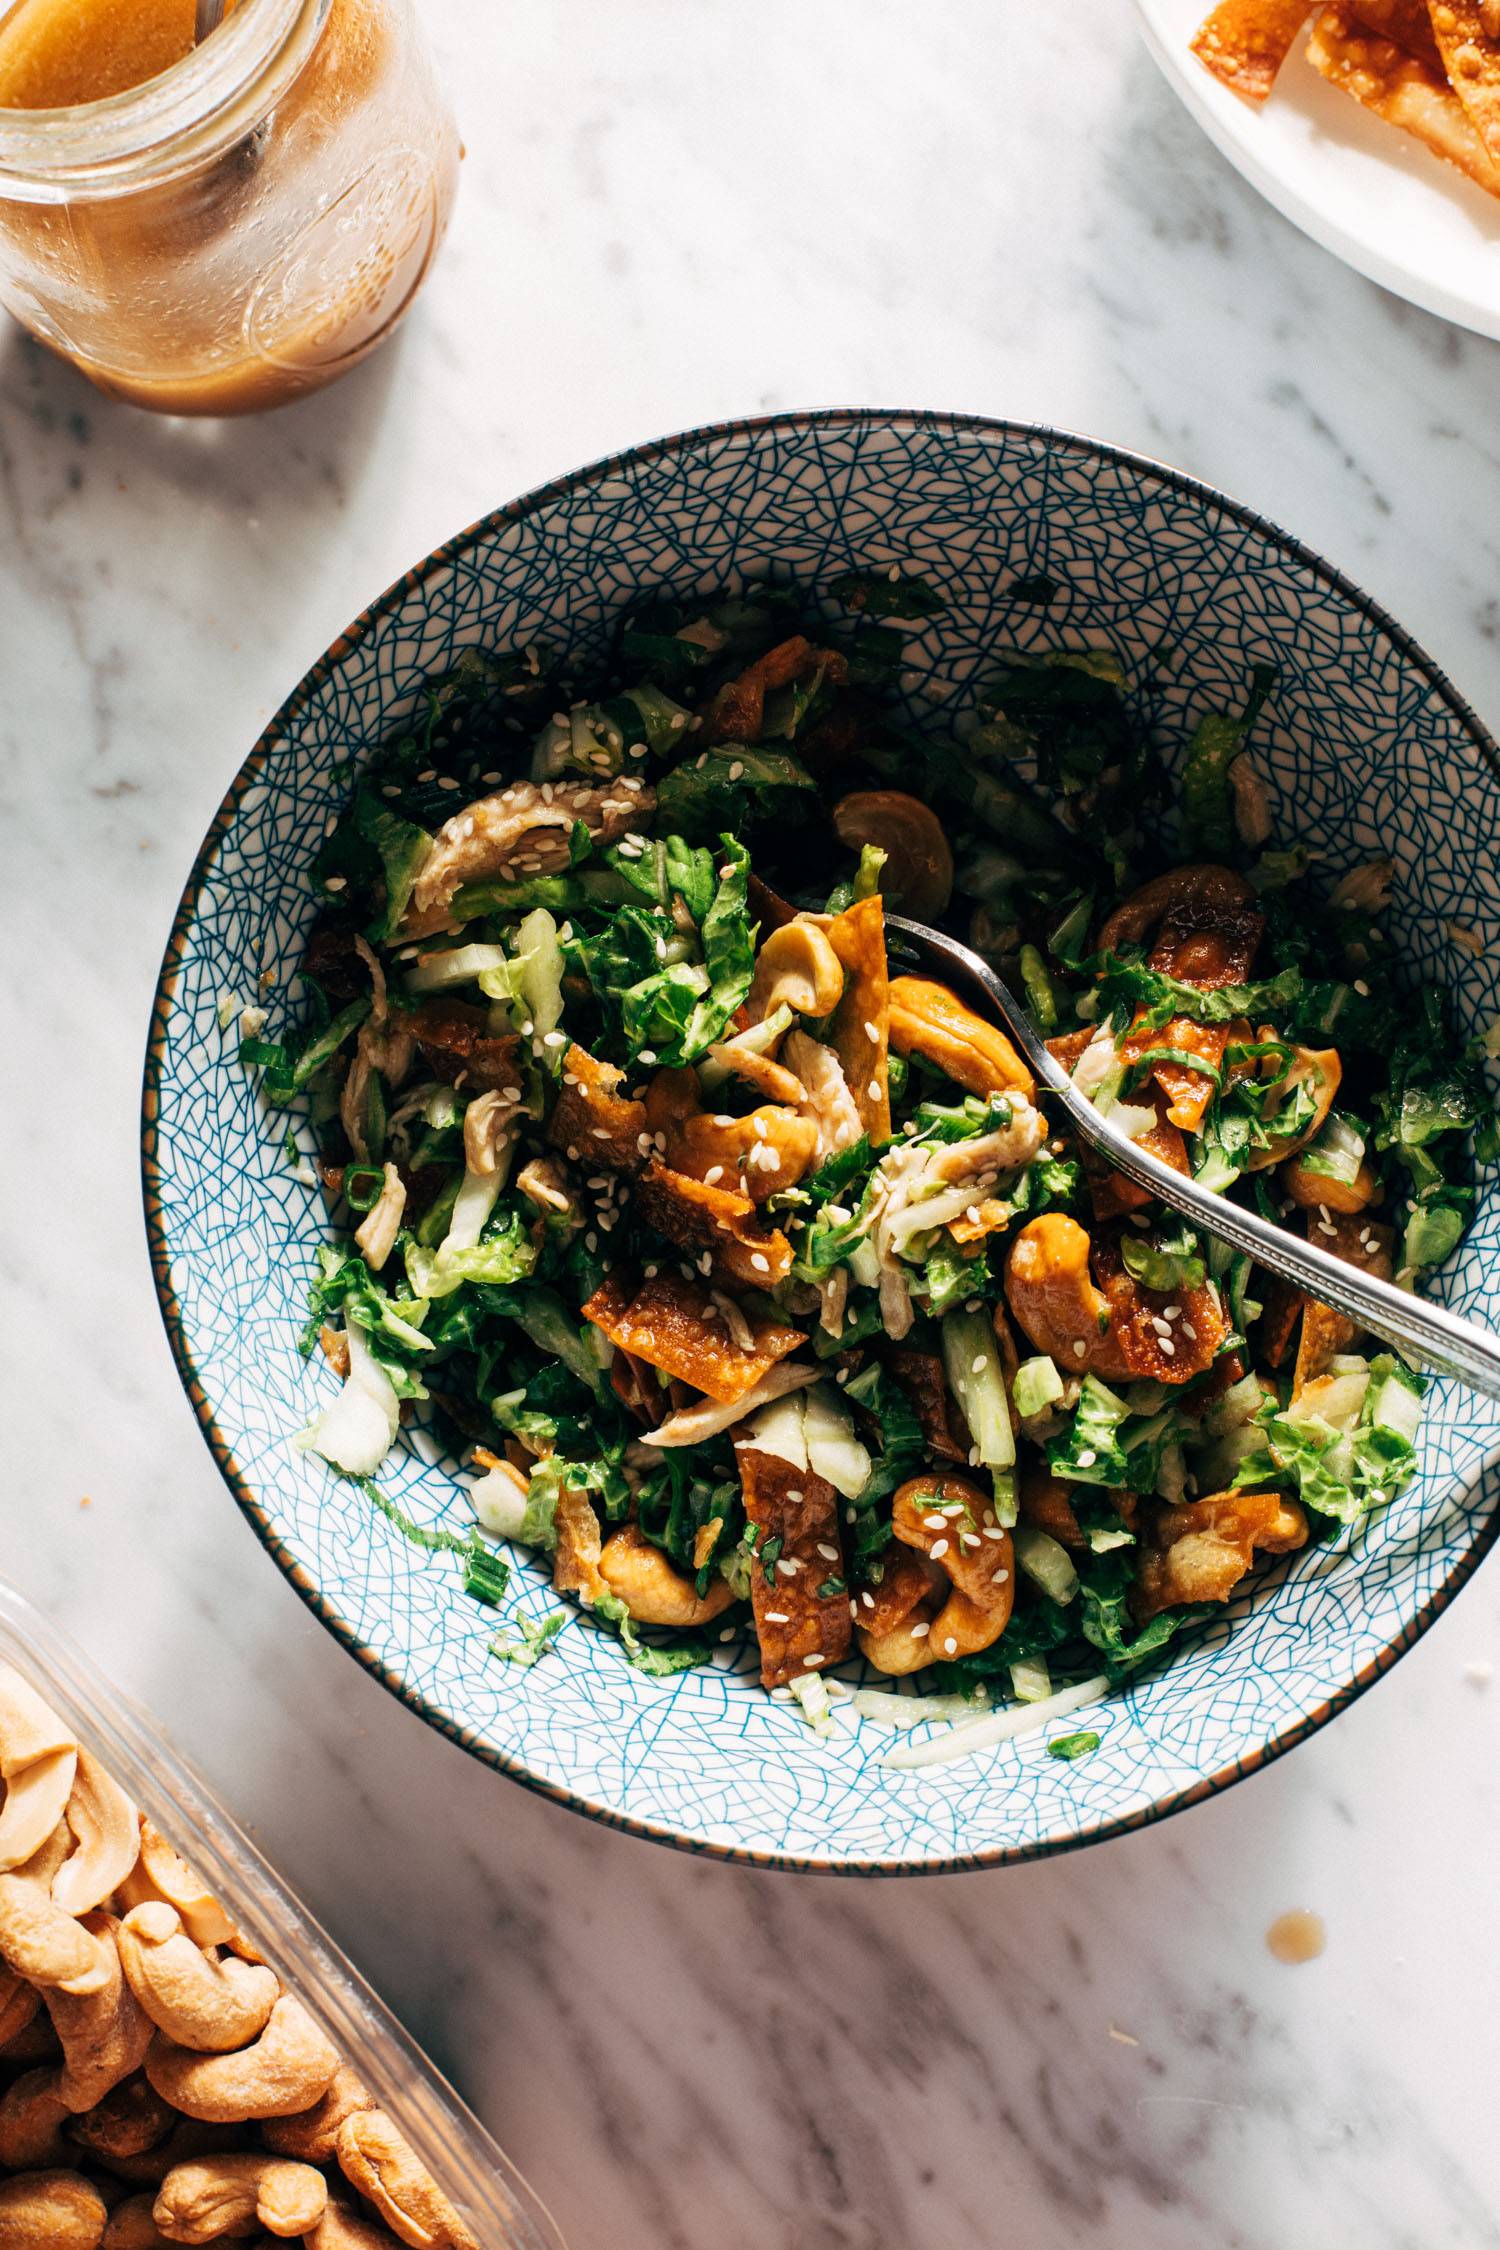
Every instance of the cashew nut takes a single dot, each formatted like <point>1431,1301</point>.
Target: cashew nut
<point>653,1592</point>
<point>917,877</point>
<point>952,1522</point>
<point>1053,1296</point>
<point>284,2071</point>
<point>105,2033</point>
<point>796,968</point>
<point>768,1150</point>
<point>36,1798</point>
<point>209,2005</point>
<point>32,2114</point>
<point>312,2134</point>
<point>131,2227</point>
<point>108,1833</point>
<point>50,2211</point>
<point>187,2138</point>
<point>131,2119</point>
<point>889,1612</point>
<point>1198,881</point>
<point>343,2228</point>
<point>159,1873</point>
<point>46,1946</point>
<point>19,2002</point>
<point>381,2166</point>
<point>29,1728</point>
<point>1320,1190</point>
<point>929,1020</point>
<point>218,2195</point>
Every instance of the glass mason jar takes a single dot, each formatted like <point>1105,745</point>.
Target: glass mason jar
<point>238,229</point>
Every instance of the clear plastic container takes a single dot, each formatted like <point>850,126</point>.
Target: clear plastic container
<point>469,2167</point>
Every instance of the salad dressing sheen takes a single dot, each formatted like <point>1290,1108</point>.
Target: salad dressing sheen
<point>316,308</point>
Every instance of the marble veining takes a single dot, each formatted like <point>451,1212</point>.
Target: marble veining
<point>668,216</point>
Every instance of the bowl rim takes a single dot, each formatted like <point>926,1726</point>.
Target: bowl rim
<point>1149,471</point>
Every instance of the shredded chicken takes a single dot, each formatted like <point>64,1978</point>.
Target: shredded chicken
<point>524,830</point>
<point>826,1098</point>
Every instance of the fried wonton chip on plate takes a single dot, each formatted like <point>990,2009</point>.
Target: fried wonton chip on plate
<point>591,1121</point>
<point>1470,51</point>
<point>699,1215</point>
<point>1200,1551</point>
<point>1402,89</point>
<point>798,1592</point>
<point>1245,42</point>
<point>676,1326</point>
<point>1360,1241</point>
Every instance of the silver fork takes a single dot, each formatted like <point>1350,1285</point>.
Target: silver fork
<point>1427,1334</point>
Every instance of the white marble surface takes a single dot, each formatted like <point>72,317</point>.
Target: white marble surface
<point>675,211</point>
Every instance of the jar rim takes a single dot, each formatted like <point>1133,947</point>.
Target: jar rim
<point>183,115</point>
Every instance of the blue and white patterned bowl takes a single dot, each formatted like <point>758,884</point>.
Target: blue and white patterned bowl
<point>1368,750</point>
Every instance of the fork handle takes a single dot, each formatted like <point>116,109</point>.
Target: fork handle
<point>1428,1334</point>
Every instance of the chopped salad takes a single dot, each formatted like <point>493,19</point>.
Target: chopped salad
<point>743,1265</point>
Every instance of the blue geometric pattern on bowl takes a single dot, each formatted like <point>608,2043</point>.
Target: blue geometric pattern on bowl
<point>1367,750</point>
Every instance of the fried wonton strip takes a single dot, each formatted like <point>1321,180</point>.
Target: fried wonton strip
<point>1406,22</point>
<point>1245,42</point>
<point>801,1600</point>
<point>591,1122</point>
<point>1200,1551</point>
<point>859,1032</point>
<point>1471,58</point>
<point>456,1045</point>
<point>1359,1241</point>
<point>1208,944</point>
<point>575,1566</point>
<point>676,1326</point>
<point>1143,1344</point>
<point>694,1215</point>
<point>1401,89</point>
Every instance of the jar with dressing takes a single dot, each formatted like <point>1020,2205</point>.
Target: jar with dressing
<point>219,228</point>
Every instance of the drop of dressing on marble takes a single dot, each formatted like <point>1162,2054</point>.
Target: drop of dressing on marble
<point>1296,1937</point>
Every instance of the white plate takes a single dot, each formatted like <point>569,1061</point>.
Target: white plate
<point>1371,194</point>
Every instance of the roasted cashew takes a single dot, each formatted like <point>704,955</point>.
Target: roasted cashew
<point>131,2119</point>
<point>209,2005</point>
<point>1052,1294</point>
<point>131,2227</point>
<point>19,2002</point>
<point>380,2165</point>
<point>1321,1191</point>
<point>107,1830</point>
<point>284,2071</point>
<point>186,2139</point>
<point>29,1728</point>
<point>651,1589</point>
<point>796,968</point>
<point>160,1873</point>
<point>917,877</point>
<point>47,1947</point>
<point>768,1150</point>
<point>218,2195</point>
<point>953,1523</point>
<point>32,2115</point>
<point>36,1798</point>
<point>312,2134</point>
<point>104,2034</point>
<point>343,2228</point>
<point>50,2211</point>
<point>929,1020</point>
<point>1199,881</point>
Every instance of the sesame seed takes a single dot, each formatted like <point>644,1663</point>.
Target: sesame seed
<point>998,1577</point>
<point>788,1568</point>
<point>648,1055</point>
<point>729,1632</point>
<point>713,1175</point>
<point>335,883</point>
<point>868,1600</point>
<point>872,1035</point>
<point>829,1554</point>
<point>993,1531</point>
<point>737,770</point>
<point>936,1523</point>
<point>1087,1458</point>
<point>447,783</point>
<point>794,1497</point>
<point>1169,1347</point>
<point>874,1089</point>
<point>977,1364</point>
<point>1190,1332</point>
<point>813,1661</point>
<point>950,1646</point>
<point>1080,1348</point>
<point>920,1632</point>
<point>938,1549</point>
<point>777,1617</point>
<point>1172,1312</point>
<point>760,1262</point>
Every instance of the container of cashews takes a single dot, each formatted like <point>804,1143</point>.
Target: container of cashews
<point>185,2056</point>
